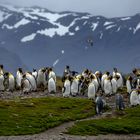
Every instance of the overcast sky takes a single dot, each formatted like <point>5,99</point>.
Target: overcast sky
<point>109,8</point>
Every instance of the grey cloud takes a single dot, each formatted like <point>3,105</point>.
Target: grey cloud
<point>109,8</point>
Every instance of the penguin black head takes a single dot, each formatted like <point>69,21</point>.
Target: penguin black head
<point>115,69</point>
<point>107,73</point>
<point>24,76</point>
<point>134,70</point>
<point>92,77</point>
<point>44,70</point>
<point>67,67</point>
<point>82,78</point>
<point>50,69</point>
<point>1,66</point>
<point>130,78</point>
<point>34,70</point>
<point>86,71</point>
<point>117,77</point>
<point>20,70</point>
<point>6,74</point>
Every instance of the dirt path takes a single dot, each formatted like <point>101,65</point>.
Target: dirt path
<point>57,133</point>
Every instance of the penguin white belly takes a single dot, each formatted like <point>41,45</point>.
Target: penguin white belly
<point>52,75</point>
<point>134,99</point>
<point>66,92</point>
<point>120,81</point>
<point>1,83</point>
<point>107,87</point>
<point>74,87</point>
<point>102,80</point>
<point>27,86</point>
<point>34,74</point>
<point>32,82</point>
<point>11,83</point>
<point>1,71</point>
<point>18,80</point>
<point>41,79</point>
<point>114,85</point>
<point>51,85</point>
<point>91,91</point>
<point>95,82</point>
<point>128,85</point>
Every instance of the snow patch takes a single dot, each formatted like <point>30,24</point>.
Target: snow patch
<point>52,17</point>
<point>21,22</point>
<point>109,27</point>
<point>118,29</point>
<point>61,30</point>
<point>7,26</point>
<point>26,14</point>
<point>77,28</point>
<point>71,34</point>
<point>85,23</point>
<point>94,26</point>
<point>137,28</point>
<point>108,23</point>
<point>125,18</point>
<point>85,17</point>
<point>18,24</point>
<point>28,38</point>
<point>3,16</point>
<point>101,35</point>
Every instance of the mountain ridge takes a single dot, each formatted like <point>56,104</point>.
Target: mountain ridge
<point>46,34</point>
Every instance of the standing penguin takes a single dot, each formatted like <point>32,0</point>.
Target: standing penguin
<point>91,91</point>
<point>104,76</point>
<point>10,81</point>
<point>108,86</point>
<point>32,81</point>
<point>99,104</point>
<point>114,84</point>
<point>85,73</point>
<point>52,74</point>
<point>119,101</point>
<point>51,81</point>
<point>134,98</point>
<point>34,73</point>
<point>98,76</point>
<point>94,81</point>
<point>19,76</point>
<point>26,86</point>
<point>120,80</point>
<point>129,84</point>
<point>41,78</point>
<point>1,69</point>
<point>74,86</point>
<point>66,89</point>
<point>2,82</point>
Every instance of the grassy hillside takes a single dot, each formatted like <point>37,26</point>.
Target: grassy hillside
<point>30,116</point>
<point>122,124</point>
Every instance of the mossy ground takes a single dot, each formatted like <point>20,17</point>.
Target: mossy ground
<point>30,116</point>
<point>121,124</point>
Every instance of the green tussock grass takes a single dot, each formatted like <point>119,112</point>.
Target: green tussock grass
<point>122,124</point>
<point>30,116</point>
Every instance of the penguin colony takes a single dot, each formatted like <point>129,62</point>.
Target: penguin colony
<point>93,85</point>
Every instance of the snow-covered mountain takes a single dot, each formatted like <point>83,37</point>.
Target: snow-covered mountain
<point>39,37</point>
